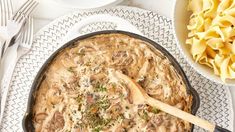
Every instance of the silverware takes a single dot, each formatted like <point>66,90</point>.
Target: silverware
<point>6,13</point>
<point>139,96</point>
<point>13,54</point>
<point>15,25</point>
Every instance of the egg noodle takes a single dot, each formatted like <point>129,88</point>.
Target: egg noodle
<point>212,35</point>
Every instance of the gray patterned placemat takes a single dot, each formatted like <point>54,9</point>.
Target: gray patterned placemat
<point>215,105</point>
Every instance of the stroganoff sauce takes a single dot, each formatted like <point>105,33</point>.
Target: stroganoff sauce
<point>78,94</point>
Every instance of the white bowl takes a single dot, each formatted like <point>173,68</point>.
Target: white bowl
<point>180,22</point>
<point>86,4</point>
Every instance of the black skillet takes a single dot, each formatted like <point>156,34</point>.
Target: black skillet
<point>27,121</point>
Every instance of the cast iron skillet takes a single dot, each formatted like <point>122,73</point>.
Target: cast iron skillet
<point>27,121</point>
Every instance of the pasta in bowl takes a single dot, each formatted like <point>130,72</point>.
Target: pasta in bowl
<point>205,33</point>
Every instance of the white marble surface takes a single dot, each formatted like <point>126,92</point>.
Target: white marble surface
<point>48,11</point>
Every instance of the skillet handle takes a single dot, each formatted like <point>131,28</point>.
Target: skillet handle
<point>220,129</point>
<point>120,23</point>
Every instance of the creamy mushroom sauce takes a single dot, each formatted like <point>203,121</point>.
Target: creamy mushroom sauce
<point>78,94</point>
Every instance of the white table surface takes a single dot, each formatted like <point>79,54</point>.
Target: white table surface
<point>47,11</point>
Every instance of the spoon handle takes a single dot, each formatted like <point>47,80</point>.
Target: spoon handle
<point>184,115</point>
<point>220,129</point>
<point>140,96</point>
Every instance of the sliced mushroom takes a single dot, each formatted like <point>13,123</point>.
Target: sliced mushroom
<point>127,123</point>
<point>156,120</point>
<point>57,122</point>
<point>115,110</point>
<point>120,58</point>
<point>161,129</point>
<point>129,98</point>
<point>180,105</point>
<point>54,95</point>
<point>68,62</point>
<point>40,117</point>
<point>79,129</point>
<point>120,129</point>
<point>90,99</point>
<point>119,54</point>
<point>155,90</point>
<point>98,77</point>
<point>150,127</point>
<point>144,70</point>
<point>86,49</point>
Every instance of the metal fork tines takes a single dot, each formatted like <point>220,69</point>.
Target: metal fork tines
<point>25,10</point>
<point>15,25</point>
<point>27,40</point>
<point>6,11</point>
<point>19,49</point>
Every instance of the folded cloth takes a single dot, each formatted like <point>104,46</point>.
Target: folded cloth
<point>3,34</point>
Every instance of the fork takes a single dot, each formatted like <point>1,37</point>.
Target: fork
<point>19,49</point>
<point>6,11</point>
<point>15,25</point>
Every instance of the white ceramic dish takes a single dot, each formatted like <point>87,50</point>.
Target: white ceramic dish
<point>121,24</point>
<point>86,4</point>
<point>180,21</point>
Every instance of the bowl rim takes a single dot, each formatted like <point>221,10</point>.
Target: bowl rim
<point>71,6</point>
<point>27,119</point>
<point>212,77</point>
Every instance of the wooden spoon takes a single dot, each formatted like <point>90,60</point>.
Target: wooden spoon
<point>139,96</point>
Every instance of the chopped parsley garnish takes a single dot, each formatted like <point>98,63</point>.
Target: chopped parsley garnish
<point>79,99</point>
<point>70,69</point>
<point>92,115</point>
<point>100,88</point>
<point>103,103</point>
<point>80,53</point>
<point>96,122</point>
<point>121,96</point>
<point>113,85</point>
<point>88,63</point>
<point>101,124</point>
<point>144,115</point>
<point>97,129</point>
<point>122,116</point>
<point>122,42</point>
<point>155,110</point>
